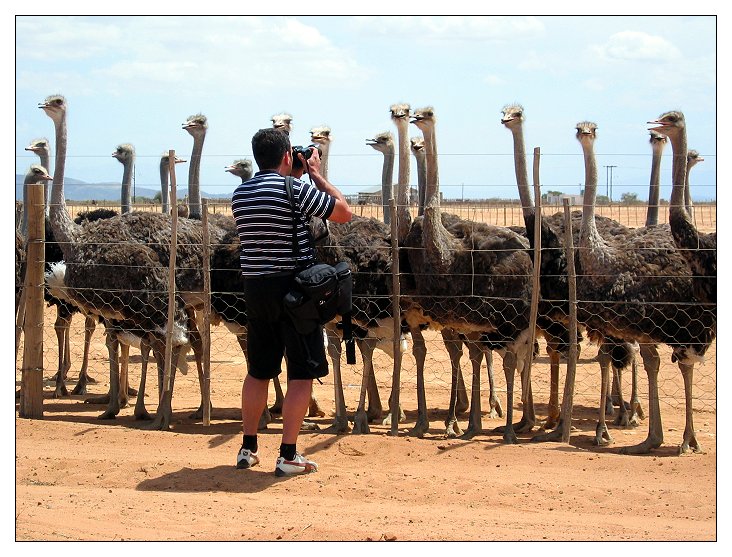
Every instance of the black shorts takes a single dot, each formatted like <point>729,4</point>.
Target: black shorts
<point>271,334</point>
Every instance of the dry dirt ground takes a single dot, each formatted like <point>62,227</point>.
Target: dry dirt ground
<point>80,478</point>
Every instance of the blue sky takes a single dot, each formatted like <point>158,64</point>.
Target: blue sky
<point>136,79</point>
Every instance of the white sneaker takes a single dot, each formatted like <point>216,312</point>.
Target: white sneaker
<point>299,465</point>
<point>246,459</point>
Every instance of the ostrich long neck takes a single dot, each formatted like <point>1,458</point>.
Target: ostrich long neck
<point>683,230</point>
<point>64,229</point>
<point>404,219</point>
<point>325,148</point>
<point>654,192</point>
<point>435,239</point>
<point>421,179</point>
<point>45,158</point>
<point>126,201</point>
<point>194,172</point>
<point>688,203</point>
<point>164,178</point>
<point>387,178</point>
<point>590,241</point>
<point>522,178</point>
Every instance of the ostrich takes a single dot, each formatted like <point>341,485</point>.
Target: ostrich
<point>283,122</point>
<point>553,306</point>
<point>634,286</point>
<point>699,250</point>
<point>125,154</point>
<point>195,125</point>
<point>165,180</point>
<point>117,269</point>
<point>320,135</point>
<point>468,277</point>
<point>658,142</point>
<point>692,159</point>
<point>241,168</point>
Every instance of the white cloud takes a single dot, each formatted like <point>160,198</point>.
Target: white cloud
<point>457,28</point>
<point>635,45</point>
<point>53,38</point>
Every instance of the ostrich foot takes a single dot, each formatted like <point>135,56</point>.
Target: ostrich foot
<point>198,414</point>
<point>110,413</point>
<point>80,388</point>
<point>131,391</point>
<point>309,426</point>
<point>496,410</point>
<point>141,413</point>
<point>314,410</point>
<point>637,411</point>
<point>421,427</point>
<point>461,406</point>
<point>609,406</point>
<point>602,436</point>
<point>524,425</point>
<point>264,419</point>
<point>104,399</point>
<point>635,419</point>
<point>509,437</point>
<point>690,444</point>
<point>387,420</point>
<point>472,431</point>
<point>374,413</point>
<point>162,418</point>
<point>339,425</point>
<point>60,391</point>
<point>276,409</point>
<point>89,379</point>
<point>452,429</point>
<point>361,422</point>
<point>550,423</point>
<point>651,442</point>
<point>554,435</point>
<point>623,418</point>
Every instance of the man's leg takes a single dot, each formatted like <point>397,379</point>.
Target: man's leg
<point>253,401</point>
<point>294,409</point>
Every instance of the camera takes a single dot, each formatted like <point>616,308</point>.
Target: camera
<point>307,152</point>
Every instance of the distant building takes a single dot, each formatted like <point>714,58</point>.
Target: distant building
<point>553,199</point>
<point>373,195</point>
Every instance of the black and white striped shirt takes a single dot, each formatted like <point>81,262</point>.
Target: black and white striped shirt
<point>264,222</point>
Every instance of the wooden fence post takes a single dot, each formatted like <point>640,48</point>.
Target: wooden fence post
<point>206,333</point>
<point>396,312</point>
<point>568,398</point>
<point>31,390</point>
<point>171,277</point>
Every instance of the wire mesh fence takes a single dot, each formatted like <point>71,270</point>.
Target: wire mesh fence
<point>229,322</point>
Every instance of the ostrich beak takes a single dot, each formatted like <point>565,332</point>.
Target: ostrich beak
<point>177,160</point>
<point>228,169</point>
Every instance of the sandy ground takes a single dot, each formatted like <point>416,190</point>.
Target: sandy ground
<point>81,478</point>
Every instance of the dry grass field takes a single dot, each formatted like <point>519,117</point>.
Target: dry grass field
<point>81,478</point>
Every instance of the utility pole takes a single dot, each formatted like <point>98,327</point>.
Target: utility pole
<point>609,182</point>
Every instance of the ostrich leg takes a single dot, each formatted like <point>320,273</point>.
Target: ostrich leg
<point>164,412</point>
<point>454,346</point>
<point>475,423</point>
<point>340,421</point>
<point>197,345</point>
<point>636,409</point>
<point>496,411</point>
<point>62,326</point>
<point>141,412</point>
<point>509,369</point>
<point>528,416</point>
<point>90,324</point>
<point>651,361</point>
<point>690,442</point>
<point>113,347</point>
<point>419,349</point>
<point>602,435</point>
<point>361,420</point>
<point>124,375</point>
<point>276,408</point>
<point>623,417</point>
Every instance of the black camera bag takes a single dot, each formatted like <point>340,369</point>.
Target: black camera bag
<point>320,292</point>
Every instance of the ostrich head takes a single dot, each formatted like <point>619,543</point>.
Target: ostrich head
<point>165,158</point>
<point>38,146</point>
<point>424,118</point>
<point>658,140</point>
<point>382,142</point>
<point>196,125</point>
<point>693,157</point>
<point>586,132</point>
<point>417,145</point>
<point>513,115</point>
<point>282,122</point>
<point>670,124</point>
<point>320,135</point>
<point>241,168</point>
<point>399,111</point>
<point>54,106</point>
<point>124,153</point>
<point>37,174</point>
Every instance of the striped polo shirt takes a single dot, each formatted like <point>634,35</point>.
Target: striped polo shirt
<point>263,219</point>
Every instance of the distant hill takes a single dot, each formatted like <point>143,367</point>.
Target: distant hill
<point>77,190</point>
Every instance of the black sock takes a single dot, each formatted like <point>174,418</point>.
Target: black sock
<point>250,443</point>
<point>288,451</point>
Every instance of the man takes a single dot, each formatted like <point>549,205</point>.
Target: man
<point>264,222</point>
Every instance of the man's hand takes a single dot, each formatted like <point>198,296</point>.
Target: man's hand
<point>313,163</point>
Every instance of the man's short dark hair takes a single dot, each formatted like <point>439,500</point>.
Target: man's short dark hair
<point>269,145</point>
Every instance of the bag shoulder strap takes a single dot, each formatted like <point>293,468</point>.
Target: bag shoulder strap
<point>290,196</point>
